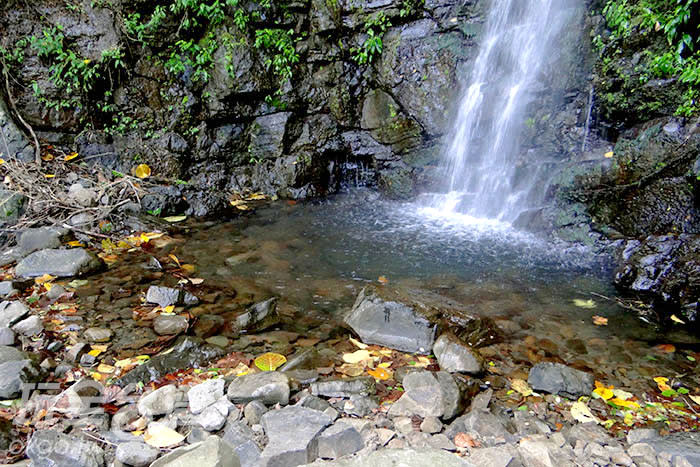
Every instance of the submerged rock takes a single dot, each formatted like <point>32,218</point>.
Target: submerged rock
<point>167,296</point>
<point>267,387</point>
<point>170,325</point>
<point>556,378</point>
<point>344,387</point>
<point>60,263</point>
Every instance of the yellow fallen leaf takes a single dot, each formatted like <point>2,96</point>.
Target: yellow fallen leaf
<point>600,321</point>
<point>137,432</point>
<point>160,436</point>
<point>44,278</point>
<point>142,171</point>
<point>100,347</point>
<point>142,357</point>
<point>256,196</point>
<point>188,268</point>
<point>351,369</point>
<point>521,386</point>
<point>174,258</point>
<point>75,243</point>
<point>49,175</point>
<point>196,280</point>
<point>104,368</point>
<point>95,352</point>
<point>124,363</point>
<point>71,156</point>
<point>629,419</point>
<point>609,155</point>
<point>422,361</point>
<point>603,392</point>
<point>383,280</point>
<point>584,303</point>
<point>661,382</point>
<point>695,399</point>
<point>582,414</point>
<point>169,309</point>
<point>384,365</point>
<point>2,161</point>
<point>357,356</point>
<point>624,403</point>
<point>174,219</point>
<point>357,343</point>
<point>380,374</point>
<point>96,376</point>
<point>676,319</point>
<point>239,204</point>
<point>48,286</point>
<point>623,395</point>
<point>47,157</point>
<point>270,361</point>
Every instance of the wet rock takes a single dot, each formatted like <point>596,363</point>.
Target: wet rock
<point>589,433</point>
<point>55,292</point>
<point>451,395</point>
<point>292,433</point>
<point>258,316</point>
<point>60,263</point>
<point>205,394</point>
<point>391,324</point>
<point>267,136</point>
<point>556,378</point>
<point>15,370</point>
<point>253,411</point>
<point>98,334</point>
<point>13,204</point>
<point>7,336</point>
<point>136,454</point>
<point>399,457</point>
<point>641,434</point>
<point>242,439</point>
<point>642,452</point>
<point>29,326</point>
<point>213,417</point>
<point>162,401</point>
<point>453,356</point>
<point>339,440</point>
<point>491,457</point>
<point>431,425</point>
<point>219,341</point>
<point>363,386</point>
<point>124,417</point>
<point>188,352</point>
<point>268,387</point>
<point>170,325</point>
<point>360,406</point>
<point>207,325</point>
<point>212,452</point>
<point>52,448</point>
<point>75,352</point>
<point>87,360</point>
<point>12,312</point>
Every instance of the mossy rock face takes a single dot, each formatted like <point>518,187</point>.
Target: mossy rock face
<point>397,184</point>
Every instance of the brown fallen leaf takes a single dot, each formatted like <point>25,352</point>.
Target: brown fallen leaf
<point>463,440</point>
<point>600,321</point>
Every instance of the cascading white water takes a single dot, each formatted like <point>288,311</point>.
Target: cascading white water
<point>481,159</point>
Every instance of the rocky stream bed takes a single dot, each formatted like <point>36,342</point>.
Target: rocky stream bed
<point>223,344</point>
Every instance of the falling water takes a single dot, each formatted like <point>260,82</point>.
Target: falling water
<point>481,160</point>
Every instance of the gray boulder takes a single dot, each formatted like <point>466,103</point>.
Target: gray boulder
<point>29,326</point>
<point>360,386</point>
<point>41,238</point>
<point>162,401</point>
<point>7,336</point>
<point>679,445</point>
<point>399,457</point>
<point>428,395</point>
<point>212,452</point>
<point>556,378</point>
<point>339,440</point>
<point>205,394</point>
<point>50,448</point>
<point>7,289</point>
<point>60,263</point>
<point>391,324</point>
<point>213,417</point>
<point>136,454</point>
<point>11,313</point>
<point>242,439</point>
<point>167,296</point>
<point>293,433</point>
<point>15,370</point>
<point>456,357</point>
<point>269,387</point>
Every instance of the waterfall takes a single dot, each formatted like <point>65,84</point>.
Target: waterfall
<point>481,159</point>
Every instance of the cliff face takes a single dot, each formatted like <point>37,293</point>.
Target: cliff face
<point>296,100</point>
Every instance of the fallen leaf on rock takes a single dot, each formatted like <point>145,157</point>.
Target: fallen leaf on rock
<point>665,348</point>
<point>351,369</point>
<point>74,284</point>
<point>584,303</point>
<point>71,156</point>
<point>357,356</point>
<point>188,268</point>
<point>104,368</point>
<point>270,361</point>
<point>174,219</point>
<point>677,319</point>
<point>603,392</point>
<point>463,440</point>
<point>175,258</point>
<point>44,278</point>
<point>582,414</point>
<point>661,382</point>
<point>160,436</point>
<point>383,280</point>
<point>521,386</point>
<point>624,403</point>
<point>256,196</point>
<point>609,155</point>
<point>600,321</point>
<point>623,395</point>
<point>380,374</point>
<point>142,171</point>
<point>357,343</point>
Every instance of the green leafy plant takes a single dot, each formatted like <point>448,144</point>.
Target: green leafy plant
<point>373,44</point>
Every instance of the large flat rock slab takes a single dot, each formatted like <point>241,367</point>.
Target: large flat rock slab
<point>59,263</point>
<point>399,458</point>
